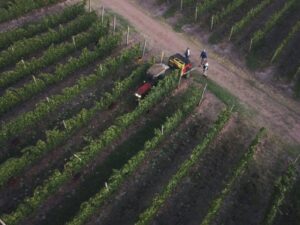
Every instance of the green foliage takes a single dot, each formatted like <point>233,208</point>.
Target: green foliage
<point>56,137</point>
<point>92,205</point>
<point>238,171</point>
<point>43,108</point>
<point>159,200</point>
<point>29,30</point>
<point>9,99</point>
<point>206,5</point>
<point>21,7</point>
<point>28,46</point>
<point>284,42</point>
<point>51,55</point>
<point>242,23</point>
<point>273,20</point>
<point>282,186</point>
<point>74,165</point>
<point>233,5</point>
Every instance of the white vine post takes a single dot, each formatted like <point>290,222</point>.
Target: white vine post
<point>2,223</point>
<point>34,79</point>
<point>212,23</point>
<point>162,129</point>
<point>298,157</point>
<point>114,24</point>
<point>48,100</point>
<point>77,157</point>
<point>22,60</point>
<point>180,75</point>
<point>231,32</point>
<point>250,46</point>
<point>181,5</point>
<point>196,14</point>
<point>127,36</point>
<point>106,185</point>
<point>144,48</point>
<point>74,42</point>
<point>101,69</point>
<point>65,125</point>
<point>90,6</point>
<point>102,14</point>
<point>202,95</point>
<point>162,56</point>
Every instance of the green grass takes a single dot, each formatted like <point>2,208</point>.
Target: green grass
<point>223,94</point>
<point>170,12</point>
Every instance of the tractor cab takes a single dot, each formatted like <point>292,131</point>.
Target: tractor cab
<point>178,61</point>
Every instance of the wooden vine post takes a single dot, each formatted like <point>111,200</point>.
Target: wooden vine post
<point>22,60</point>
<point>114,25</point>
<point>127,36</point>
<point>162,56</point>
<point>202,95</point>
<point>196,13</point>
<point>90,6</point>
<point>250,46</point>
<point>74,41</point>
<point>144,48</point>
<point>212,22</point>
<point>230,35</point>
<point>65,125</point>
<point>102,14</point>
<point>180,75</point>
<point>181,5</point>
<point>34,79</point>
<point>2,222</point>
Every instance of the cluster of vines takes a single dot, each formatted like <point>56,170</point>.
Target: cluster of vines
<point>52,184</point>
<point>158,201</point>
<point>115,181</point>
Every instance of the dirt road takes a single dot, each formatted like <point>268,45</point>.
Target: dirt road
<point>274,111</point>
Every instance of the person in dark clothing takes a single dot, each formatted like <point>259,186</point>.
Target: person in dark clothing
<point>203,56</point>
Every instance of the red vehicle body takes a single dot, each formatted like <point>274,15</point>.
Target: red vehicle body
<point>143,90</point>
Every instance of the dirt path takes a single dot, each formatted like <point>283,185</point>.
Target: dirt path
<point>274,111</point>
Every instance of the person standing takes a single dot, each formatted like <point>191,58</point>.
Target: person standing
<point>203,56</point>
<point>187,53</point>
<point>205,68</point>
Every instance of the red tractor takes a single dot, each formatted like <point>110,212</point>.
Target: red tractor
<point>158,71</point>
<point>155,73</point>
